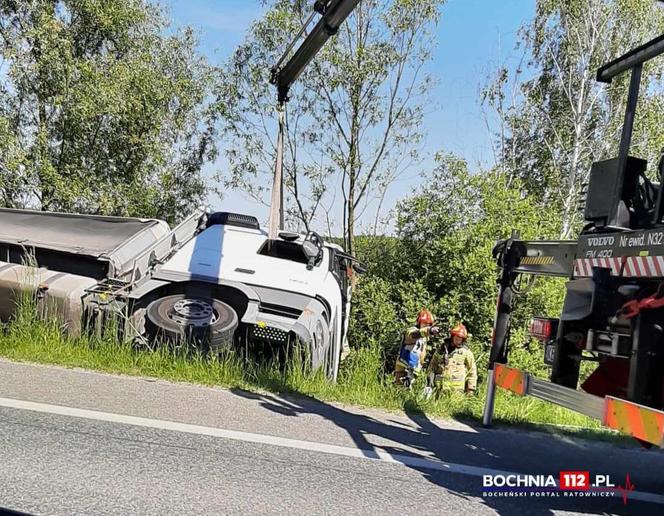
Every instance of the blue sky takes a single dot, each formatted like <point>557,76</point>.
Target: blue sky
<point>474,36</point>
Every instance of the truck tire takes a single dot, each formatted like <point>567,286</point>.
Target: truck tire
<point>205,322</point>
<point>322,356</point>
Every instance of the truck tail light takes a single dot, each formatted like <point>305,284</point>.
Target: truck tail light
<point>542,329</point>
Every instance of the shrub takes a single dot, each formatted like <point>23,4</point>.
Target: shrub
<point>441,258</point>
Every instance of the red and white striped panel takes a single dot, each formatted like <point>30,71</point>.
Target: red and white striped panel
<point>644,267</point>
<point>583,267</point>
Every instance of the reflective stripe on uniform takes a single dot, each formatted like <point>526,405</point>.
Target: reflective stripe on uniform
<point>449,385</point>
<point>455,369</point>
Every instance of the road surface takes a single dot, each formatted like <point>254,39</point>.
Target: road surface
<point>77,442</point>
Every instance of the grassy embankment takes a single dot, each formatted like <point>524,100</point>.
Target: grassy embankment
<point>361,381</point>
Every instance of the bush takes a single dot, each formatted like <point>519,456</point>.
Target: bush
<point>441,259</point>
<point>374,320</point>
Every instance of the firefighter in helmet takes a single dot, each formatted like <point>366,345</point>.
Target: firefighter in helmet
<point>453,368</point>
<point>413,347</point>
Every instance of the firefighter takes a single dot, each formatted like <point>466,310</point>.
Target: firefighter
<point>453,367</point>
<point>413,348</point>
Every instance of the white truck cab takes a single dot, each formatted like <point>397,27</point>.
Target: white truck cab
<point>235,286</point>
<point>216,279</point>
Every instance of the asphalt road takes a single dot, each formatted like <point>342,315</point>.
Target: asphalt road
<point>76,442</point>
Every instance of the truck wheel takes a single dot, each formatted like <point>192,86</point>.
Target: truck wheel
<point>204,321</point>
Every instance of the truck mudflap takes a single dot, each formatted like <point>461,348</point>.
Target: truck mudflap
<point>643,423</point>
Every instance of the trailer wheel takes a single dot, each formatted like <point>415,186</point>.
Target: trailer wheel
<point>206,322</point>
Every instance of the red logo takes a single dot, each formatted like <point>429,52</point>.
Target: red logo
<point>574,480</point>
<point>626,489</point>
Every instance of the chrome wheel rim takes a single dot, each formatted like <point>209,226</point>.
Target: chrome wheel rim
<point>193,312</point>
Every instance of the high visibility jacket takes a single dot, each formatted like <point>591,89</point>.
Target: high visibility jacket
<point>454,369</point>
<point>413,348</point>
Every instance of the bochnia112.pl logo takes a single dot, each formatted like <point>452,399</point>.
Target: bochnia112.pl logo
<point>564,484</point>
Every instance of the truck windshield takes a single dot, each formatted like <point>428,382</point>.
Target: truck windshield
<point>283,250</point>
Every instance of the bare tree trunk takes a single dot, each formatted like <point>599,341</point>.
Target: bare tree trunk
<point>47,193</point>
<point>354,171</point>
<point>350,235</point>
<point>582,103</point>
<point>569,203</point>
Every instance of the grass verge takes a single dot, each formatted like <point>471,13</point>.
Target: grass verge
<point>361,379</point>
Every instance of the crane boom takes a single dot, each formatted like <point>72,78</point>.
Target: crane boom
<point>333,14</point>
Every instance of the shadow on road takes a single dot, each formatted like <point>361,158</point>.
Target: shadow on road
<point>10,512</point>
<point>498,449</point>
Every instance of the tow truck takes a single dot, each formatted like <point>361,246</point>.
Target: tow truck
<point>613,309</point>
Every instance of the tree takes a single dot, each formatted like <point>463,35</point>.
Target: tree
<point>566,120</point>
<point>353,121</point>
<point>441,259</point>
<point>447,235</point>
<point>100,111</point>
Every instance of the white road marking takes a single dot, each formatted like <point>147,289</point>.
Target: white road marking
<point>284,442</point>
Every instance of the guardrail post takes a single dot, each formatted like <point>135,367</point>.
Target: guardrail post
<point>487,416</point>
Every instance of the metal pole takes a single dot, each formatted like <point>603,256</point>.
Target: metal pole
<point>630,111</point>
<point>509,259</point>
<point>290,46</point>
<point>276,220</point>
<point>634,57</point>
<point>628,127</point>
<point>487,416</point>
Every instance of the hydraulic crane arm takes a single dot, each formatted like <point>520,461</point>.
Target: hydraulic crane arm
<point>537,257</point>
<point>333,14</point>
<point>534,257</point>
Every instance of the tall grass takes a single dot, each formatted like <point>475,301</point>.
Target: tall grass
<point>362,380</point>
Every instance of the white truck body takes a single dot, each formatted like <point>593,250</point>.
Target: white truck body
<point>278,294</point>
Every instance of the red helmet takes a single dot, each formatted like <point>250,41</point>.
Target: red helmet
<point>425,318</point>
<point>460,331</point>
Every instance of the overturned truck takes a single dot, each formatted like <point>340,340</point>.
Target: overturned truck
<point>215,281</point>
<point>613,310</point>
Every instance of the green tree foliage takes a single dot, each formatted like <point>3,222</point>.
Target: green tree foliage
<point>554,121</point>
<point>451,231</point>
<point>100,110</point>
<point>563,120</point>
<point>353,120</point>
<point>442,259</point>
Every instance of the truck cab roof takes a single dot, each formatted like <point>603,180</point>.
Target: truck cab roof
<point>241,253</point>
